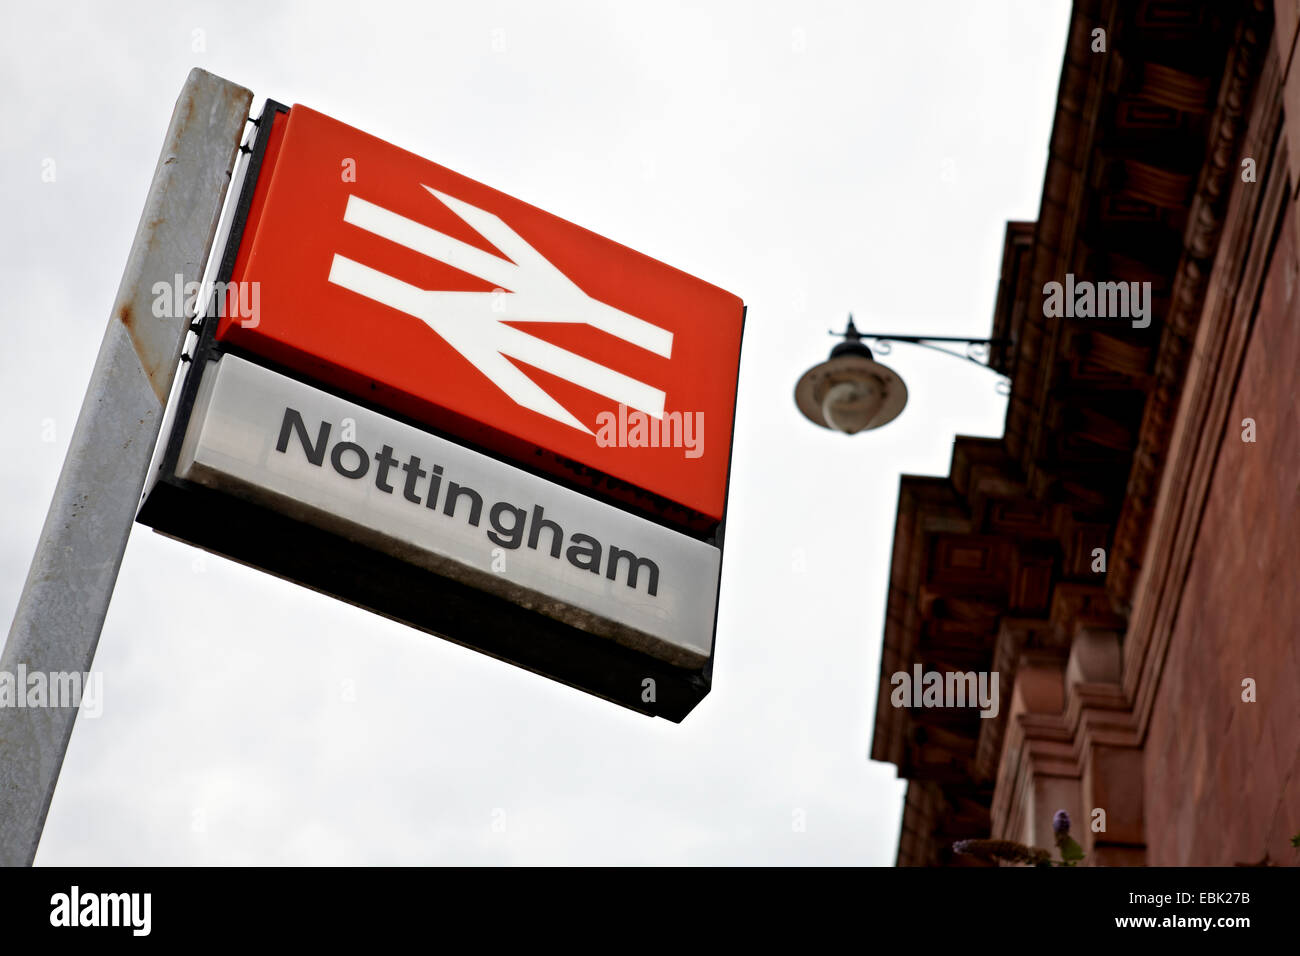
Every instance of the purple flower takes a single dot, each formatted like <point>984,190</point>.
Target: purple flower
<point>1061,823</point>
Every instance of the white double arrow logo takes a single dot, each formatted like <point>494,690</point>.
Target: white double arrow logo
<point>530,289</point>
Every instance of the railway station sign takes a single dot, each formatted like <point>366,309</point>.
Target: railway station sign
<point>461,412</point>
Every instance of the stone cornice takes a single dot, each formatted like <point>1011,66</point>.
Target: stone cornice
<point>1200,245</point>
<point>1201,423</point>
<point>992,564</point>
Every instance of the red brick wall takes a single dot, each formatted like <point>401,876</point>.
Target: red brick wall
<point>1222,777</point>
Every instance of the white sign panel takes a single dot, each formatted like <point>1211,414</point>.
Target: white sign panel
<point>306,453</point>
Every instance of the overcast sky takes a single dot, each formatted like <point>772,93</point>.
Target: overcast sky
<point>813,158</point>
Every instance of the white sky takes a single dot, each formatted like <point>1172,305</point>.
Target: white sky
<point>792,153</point>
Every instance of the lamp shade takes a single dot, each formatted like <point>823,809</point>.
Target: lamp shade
<point>850,392</point>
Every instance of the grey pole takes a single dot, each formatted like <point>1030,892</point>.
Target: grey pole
<point>65,599</point>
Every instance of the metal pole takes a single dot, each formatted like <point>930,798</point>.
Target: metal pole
<point>65,599</point>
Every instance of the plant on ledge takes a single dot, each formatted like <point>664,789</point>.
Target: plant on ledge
<point>1010,851</point>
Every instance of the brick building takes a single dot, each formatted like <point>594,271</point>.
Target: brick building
<point>1174,160</point>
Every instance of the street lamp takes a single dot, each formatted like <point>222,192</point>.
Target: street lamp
<point>851,392</point>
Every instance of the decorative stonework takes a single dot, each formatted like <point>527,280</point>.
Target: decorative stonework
<point>1205,227</point>
<point>994,567</point>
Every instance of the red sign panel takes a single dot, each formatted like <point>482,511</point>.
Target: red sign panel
<point>410,286</point>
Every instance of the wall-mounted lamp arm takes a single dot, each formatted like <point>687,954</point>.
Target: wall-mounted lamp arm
<point>977,350</point>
